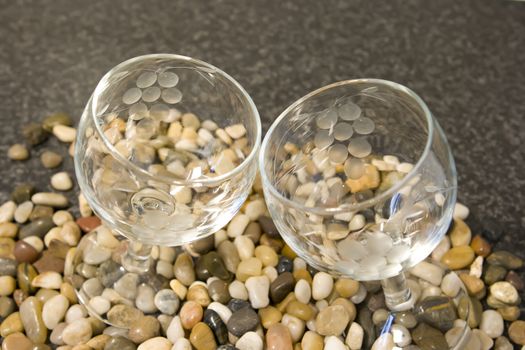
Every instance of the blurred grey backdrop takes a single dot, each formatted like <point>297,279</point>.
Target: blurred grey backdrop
<point>465,58</point>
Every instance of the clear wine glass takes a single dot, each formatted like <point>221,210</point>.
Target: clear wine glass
<point>360,181</point>
<point>165,155</point>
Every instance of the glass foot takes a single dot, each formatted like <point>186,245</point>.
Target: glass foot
<point>119,281</point>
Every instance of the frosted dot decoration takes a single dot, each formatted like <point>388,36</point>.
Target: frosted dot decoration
<point>354,168</point>
<point>323,139</point>
<point>146,79</point>
<point>168,79</point>
<point>171,95</point>
<point>138,111</point>
<point>359,147</point>
<point>327,120</point>
<point>338,153</point>
<point>151,94</point>
<point>364,126</point>
<point>132,96</point>
<point>343,131</point>
<point>349,111</point>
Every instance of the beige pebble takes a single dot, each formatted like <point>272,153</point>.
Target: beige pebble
<point>23,211</point>
<point>18,152</point>
<point>64,133</point>
<point>7,211</point>
<point>51,199</point>
<point>61,181</point>
<point>236,131</point>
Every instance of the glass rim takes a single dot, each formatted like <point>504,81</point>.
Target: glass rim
<point>268,186</point>
<point>166,179</point>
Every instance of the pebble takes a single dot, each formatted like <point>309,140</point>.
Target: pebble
<point>201,337</point>
<point>217,325</point>
<point>7,211</point>
<point>48,279</point>
<point>281,287</point>
<point>451,284</point>
<point>485,341</point>
<point>322,285</point>
<point>123,315</point>
<point>441,249</point>
<point>427,337</point>
<point>22,193</point>
<point>18,152</point>
<point>258,288</point>
<point>502,343</point>
<point>242,321</point>
<point>22,212</point>
<point>460,234</point>
<point>17,341</point>
<point>428,272</point>
<point>51,199</point>
<point>61,181</point>
<point>476,269</point>
<point>167,301</point>
<point>461,211</point>
<point>332,320</point>
<point>50,159</point>
<point>249,341</point>
<point>190,314</point>
<point>237,225</point>
<point>77,332</point>
<point>41,212</point>
<point>480,246</point>
<point>11,324</point>
<point>494,273</point>
<point>458,257</point>
<point>303,291</point>
<point>312,341</point>
<point>229,255</point>
<point>517,332</point>
<point>492,323</point>
<point>248,268</point>
<point>99,304</point>
<point>334,343</point>
<point>143,329</point>
<point>64,133</point>
<point>504,292</point>
<point>9,229</point>
<point>505,259</point>
<point>120,343</point>
<point>157,343</point>
<point>76,312</point>
<point>278,338</point>
<point>183,269</point>
<point>54,310</point>
<point>509,313</point>
<point>384,342</point>
<point>473,284</point>
<point>7,285</point>
<point>144,300</point>
<point>31,315</point>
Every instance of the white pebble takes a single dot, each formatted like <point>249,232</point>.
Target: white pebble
<point>100,305</point>
<point>295,326</point>
<point>492,323</point>
<point>504,292</point>
<point>23,211</point>
<point>404,167</point>
<point>49,198</point>
<point>303,292</point>
<point>182,344</point>
<point>60,217</point>
<point>77,332</point>
<point>271,273</point>
<point>7,211</point>
<point>485,341</point>
<point>334,343</point>
<point>357,222</point>
<point>428,272</point>
<point>76,312</point>
<point>441,248</point>
<point>401,335</point>
<point>255,208</point>
<point>476,268</point>
<point>379,243</point>
<point>258,288</point>
<point>222,310</point>
<point>245,247</point>
<point>54,310</point>
<point>451,284</point>
<point>360,295</point>
<point>237,225</point>
<point>461,211</point>
<point>157,343</point>
<point>61,181</point>
<point>249,341</point>
<point>354,337</point>
<point>237,290</point>
<point>64,133</point>
<point>384,342</point>
<point>236,131</point>
<point>47,279</point>
<point>322,285</point>
<point>175,330</point>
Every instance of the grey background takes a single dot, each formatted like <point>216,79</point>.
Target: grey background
<point>465,58</point>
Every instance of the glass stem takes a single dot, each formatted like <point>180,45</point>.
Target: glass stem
<point>397,294</point>
<point>137,257</point>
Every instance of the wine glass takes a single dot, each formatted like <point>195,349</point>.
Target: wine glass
<point>165,155</point>
<point>361,183</point>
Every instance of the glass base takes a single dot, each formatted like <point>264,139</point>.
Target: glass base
<point>429,319</point>
<point>118,281</point>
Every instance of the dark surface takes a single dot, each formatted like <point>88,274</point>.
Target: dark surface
<point>465,58</point>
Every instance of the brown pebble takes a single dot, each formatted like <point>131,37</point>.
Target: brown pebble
<point>346,287</point>
<point>89,223</point>
<point>190,314</point>
<point>143,329</point>
<point>278,338</point>
<point>202,338</point>
<point>480,246</point>
<point>517,332</point>
<point>515,279</point>
<point>50,159</point>
<point>49,262</point>
<point>509,313</point>
<point>473,284</point>
<point>24,252</point>
<point>17,341</point>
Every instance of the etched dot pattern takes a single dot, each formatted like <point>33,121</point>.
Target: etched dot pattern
<point>171,95</point>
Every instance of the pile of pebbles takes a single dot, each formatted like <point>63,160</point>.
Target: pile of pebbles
<point>241,288</point>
